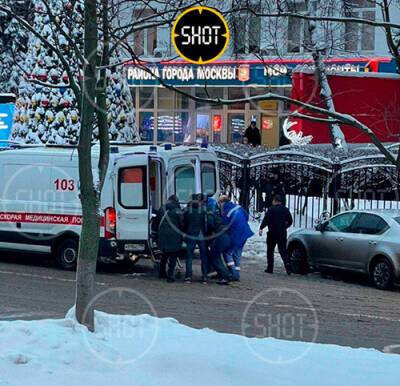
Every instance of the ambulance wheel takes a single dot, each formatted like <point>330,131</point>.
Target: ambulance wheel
<point>67,254</point>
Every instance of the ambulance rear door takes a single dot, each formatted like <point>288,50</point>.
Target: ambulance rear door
<point>184,176</point>
<point>132,200</point>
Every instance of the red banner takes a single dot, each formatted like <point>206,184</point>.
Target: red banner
<point>370,98</point>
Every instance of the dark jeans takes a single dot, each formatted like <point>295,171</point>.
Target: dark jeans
<point>191,243</point>
<point>171,259</point>
<point>272,242</point>
<point>220,245</point>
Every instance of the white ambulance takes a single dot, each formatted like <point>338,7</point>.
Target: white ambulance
<point>40,210</point>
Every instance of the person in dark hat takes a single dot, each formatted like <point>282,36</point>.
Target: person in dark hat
<point>252,134</point>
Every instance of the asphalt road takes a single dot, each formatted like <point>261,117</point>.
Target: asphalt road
<point>338,309</point>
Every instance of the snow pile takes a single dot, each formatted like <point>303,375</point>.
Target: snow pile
<point>143,350</point>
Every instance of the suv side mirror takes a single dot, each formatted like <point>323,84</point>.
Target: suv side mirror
<point>320,227</point>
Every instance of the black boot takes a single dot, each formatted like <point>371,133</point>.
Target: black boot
<point>269,270</point>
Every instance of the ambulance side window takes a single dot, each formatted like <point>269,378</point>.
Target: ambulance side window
<point>208,178</point>
<point>26,183</point>
<point>185,184</point>
<point>132,188</point>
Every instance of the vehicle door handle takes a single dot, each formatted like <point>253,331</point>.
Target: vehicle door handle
<point>340,239</point>
<point>372,243</point>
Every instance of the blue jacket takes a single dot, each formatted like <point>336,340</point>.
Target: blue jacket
<point>238,223</point>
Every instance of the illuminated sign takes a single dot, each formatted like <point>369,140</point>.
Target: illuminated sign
<point>200,35</point>
<point>6,119</point>
<point>234,73</point>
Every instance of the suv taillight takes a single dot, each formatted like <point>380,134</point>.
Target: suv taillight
<point>110,222</point>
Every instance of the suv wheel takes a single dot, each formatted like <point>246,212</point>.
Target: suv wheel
<point>382,274</point>
<point>298,259</point>
<point>67,254</point>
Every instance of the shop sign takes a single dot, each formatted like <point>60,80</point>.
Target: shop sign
<point>217,123</point>
<point>226,73</point>
<point>267,123</point>
<point>268,105</point>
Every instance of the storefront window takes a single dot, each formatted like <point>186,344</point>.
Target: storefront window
<point>182,128</point>
<point>209,93</point>
<point>165,99</point>
<point>146,126</point>
<point>202,128</point>
<point>236,93</point>
<point>182,102</point>
<point>146,97</point>
<point>165,127</point>
<point>173,128</point>
<point>237,126</point>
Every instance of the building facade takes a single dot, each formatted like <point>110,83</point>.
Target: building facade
<point>261,56</point>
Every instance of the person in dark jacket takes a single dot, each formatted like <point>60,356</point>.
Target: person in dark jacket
<point>273,187</point>
<point>195,226</point>
<point>278,219</point>
<point>252,134</point>
<point>169,236</point>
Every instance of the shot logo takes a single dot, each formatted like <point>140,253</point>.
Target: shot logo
<point>200,35</point>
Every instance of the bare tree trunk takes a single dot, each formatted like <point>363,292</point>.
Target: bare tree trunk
<point>89,194</point>
<point>338,139</point>
<point>102,99</point>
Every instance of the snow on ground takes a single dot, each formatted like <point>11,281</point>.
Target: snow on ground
<point>143,350</point>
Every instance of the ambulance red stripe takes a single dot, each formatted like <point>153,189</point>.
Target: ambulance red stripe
<point>40,218</point>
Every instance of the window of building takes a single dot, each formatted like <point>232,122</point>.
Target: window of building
<point>146,97</point>
<point>298,32</point>
<point>145,40</point>
<point>182,127</point>
<point>165,127</point>
<point>360,37</point>
<point>146,126</point>
<point>182,101</point>
<point>237,93</point>
<point>237,127</point>
<point>165,99</point>
<point>209,93</point>
<point>246,31</point>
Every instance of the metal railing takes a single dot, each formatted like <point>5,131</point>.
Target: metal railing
<point>312,183</point>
